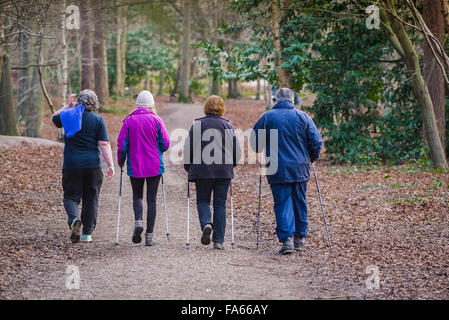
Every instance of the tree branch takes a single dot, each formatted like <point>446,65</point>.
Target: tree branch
<point>39,69</point>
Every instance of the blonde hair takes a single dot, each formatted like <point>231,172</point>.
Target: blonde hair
<point>214,105</point>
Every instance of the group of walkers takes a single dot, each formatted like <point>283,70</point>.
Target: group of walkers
<point>141,143</point>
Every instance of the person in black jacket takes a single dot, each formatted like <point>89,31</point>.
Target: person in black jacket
<point>211,152</point>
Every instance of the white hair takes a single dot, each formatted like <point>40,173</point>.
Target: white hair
<point>285,94</point>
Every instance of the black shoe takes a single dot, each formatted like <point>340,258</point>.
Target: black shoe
<point>287,247</point>
<point>207,230</point>
<point>138,229</point>
<point>75,236</point>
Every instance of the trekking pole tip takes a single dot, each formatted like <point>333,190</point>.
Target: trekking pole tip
<point>168,236</point>
<point>187,245</point>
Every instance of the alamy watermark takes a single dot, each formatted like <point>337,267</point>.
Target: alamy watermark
<point>72,281</point>
<point>211,146</point>
<point>373,20</point>
<point>72,21</point>
<point>373,280</point>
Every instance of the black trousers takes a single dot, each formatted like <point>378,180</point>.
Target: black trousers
<point>152,186</point>
<point>82,184</point>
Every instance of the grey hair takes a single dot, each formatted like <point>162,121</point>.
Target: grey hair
<point>88,99</point>
<point>285,94</point>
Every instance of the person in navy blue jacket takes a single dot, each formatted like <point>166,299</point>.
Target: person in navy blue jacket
<point>298,144</point>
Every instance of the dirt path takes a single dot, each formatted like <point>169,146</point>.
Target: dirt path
<point>167,270</point>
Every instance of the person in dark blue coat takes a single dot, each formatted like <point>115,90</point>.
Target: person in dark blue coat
<point>298,143</point>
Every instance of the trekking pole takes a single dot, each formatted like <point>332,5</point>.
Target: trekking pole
<point>321,204</point>
<point>119,201</point>
<point>258,213</point>
<point>232,221</point>
<point>188,216</point>
<point>165,208</point>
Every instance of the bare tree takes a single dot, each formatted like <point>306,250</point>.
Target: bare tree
<point>185,53</point>
<point>276,11</point>
<point>100,62</point>
<point>122,22</point>
<point>401,41</point>
<point>433,75</point>
<point>65,76</point>
<point>87,53</point>
<point>7,111</point>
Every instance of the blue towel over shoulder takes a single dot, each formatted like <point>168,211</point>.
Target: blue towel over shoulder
<point>71,120</point>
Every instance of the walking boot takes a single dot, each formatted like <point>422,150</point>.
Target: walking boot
<point>299,242</point>
<point>149,241</point>
<point>207,230</point>
<point>86,238</point>
<point>75,228</point>
<point>138,229</point>
<point>287,246</point>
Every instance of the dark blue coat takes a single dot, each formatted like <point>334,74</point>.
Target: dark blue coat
<point>299,142</point>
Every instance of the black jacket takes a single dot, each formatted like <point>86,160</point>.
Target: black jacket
<point>211,150</point>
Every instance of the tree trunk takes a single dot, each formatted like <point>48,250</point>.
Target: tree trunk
<point>2,46</point>
<point>100,65</point>
<point>215,88</point>
<point>7,111</point>
<point>267,94</point>
<point>161,83</point>
<point>34,106</point>
<point>185,55</point>
<point>65,76</point>
<point>433,75</point>
<point>124,45</point>
<point>87,53</point>
<point>437,154</point>
<point>122,13</point>
<point>24,77</point>
<point>276,19</point>
<point>258,89</point>
<point>176,84</point>
<point>193,63</point>
<point>233,90</point>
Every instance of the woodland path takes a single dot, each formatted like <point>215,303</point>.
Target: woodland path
<point>168,270</point>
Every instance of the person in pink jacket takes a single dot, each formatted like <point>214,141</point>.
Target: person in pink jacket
<point>142,140</point>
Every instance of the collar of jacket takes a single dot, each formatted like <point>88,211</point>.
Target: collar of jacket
<point>141,110</point>
<point>213,116</point>
<point>284,105</point>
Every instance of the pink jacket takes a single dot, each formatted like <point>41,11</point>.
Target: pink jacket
<point>142,140</point>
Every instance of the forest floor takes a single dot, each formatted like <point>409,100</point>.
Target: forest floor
<point>393,219</point>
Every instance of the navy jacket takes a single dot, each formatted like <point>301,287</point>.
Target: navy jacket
<point>299,142</point>
<point>209,128</point>
<point>82,151</point>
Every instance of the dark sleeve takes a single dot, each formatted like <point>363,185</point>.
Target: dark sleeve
<point>102,133</point>
<point>57,121</point>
